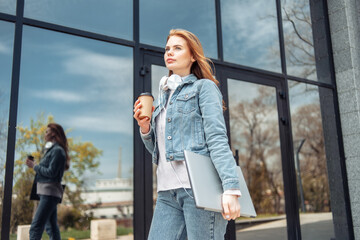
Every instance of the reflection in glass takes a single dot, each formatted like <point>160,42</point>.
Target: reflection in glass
<point>8,6</point>
<point>157,72</point>
<point>299,46</point>
<point>255,142</point>
<point>6,52</point>
<point>250,33</point>
<point>157,18</point>
<point>111,17</point>
<point>310,162</point>
<point>86,86</point>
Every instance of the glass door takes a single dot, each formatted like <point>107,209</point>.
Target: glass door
<point>260,135</point>
<point>258,130</point>
<point>152,71</point>
<point>255,141</point>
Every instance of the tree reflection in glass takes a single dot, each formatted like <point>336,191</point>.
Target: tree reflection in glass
<point>250,33</point>
<point>299,46</point>
<point>310,161</point>
<point>255,133</point>
<point>86,86</point>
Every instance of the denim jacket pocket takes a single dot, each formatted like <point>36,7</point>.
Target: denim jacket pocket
<point>185,103</point>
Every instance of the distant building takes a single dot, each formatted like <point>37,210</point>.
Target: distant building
<point>110,198</point>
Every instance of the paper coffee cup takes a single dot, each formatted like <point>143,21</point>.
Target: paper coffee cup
<point>146,100</point>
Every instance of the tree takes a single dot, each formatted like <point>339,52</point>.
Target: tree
<point>298,39</point>
<point>254,131</point>
<point>307,125</point>
<point>83,157</point>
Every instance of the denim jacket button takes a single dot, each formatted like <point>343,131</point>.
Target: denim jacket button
<point>169,137</point>
<point>171,157</point>
<point>169,119</point>
<point>186,96</point>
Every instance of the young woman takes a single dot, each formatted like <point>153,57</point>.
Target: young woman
<point>48,175</point>
<point>188,116</point>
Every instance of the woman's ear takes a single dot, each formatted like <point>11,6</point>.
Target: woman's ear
<point>192,59</point>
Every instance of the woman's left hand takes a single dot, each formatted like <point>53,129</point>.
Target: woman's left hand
<point>231,207</point>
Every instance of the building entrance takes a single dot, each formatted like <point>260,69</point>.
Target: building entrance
<point>259,132</point>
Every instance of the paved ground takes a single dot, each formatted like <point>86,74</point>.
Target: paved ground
<point>317,226</point>
<point>314,226</point>
<point>125,237</point>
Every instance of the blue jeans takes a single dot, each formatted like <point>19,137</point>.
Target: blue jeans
<point>45,217</point>
<point>177,217</point>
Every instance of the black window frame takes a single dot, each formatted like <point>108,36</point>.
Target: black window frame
<point>142,197</point>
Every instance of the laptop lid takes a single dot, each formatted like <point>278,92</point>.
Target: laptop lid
<point>207,188</point>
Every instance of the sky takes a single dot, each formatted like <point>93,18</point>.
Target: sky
<point>87,85</point>
<point>6,49</point>
<point>90,15</point>
<point>250,33</point>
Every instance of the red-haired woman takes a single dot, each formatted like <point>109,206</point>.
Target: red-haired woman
<point>49,173</point>
<point>188,116</point>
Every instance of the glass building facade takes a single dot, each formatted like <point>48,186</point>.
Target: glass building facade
<point>83,64</point>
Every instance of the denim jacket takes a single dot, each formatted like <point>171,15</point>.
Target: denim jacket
<point>195,122</point>
<point>52,165</point>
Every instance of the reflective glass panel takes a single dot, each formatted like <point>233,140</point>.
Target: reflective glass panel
<point>111,17</point>
<point>8,6</point>
<point>310,162</point>
<point>87,87</point>
<point>250,33</point>
<point>6,57</point>
<point>157,72</point>
<point>299,46</point>
<point>255,142</point>
<point>198,17</point>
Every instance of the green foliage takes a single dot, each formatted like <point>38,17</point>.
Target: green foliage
<point>80,234</point>
<point>22,207</point>
<point>123,231</point>
<point>69,217</point>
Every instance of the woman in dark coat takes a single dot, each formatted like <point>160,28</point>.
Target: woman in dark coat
<point>49,174</point>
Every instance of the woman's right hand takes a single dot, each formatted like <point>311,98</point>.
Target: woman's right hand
<point>145,122</point>
<point>30,163</point>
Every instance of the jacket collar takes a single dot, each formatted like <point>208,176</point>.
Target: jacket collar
<point>189,79</point>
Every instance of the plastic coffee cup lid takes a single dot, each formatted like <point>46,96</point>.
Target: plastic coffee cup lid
<point>146,94</point>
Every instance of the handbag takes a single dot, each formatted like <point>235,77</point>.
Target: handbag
<point>33,194</point>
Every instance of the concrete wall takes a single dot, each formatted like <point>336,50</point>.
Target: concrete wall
<point>344,17</point>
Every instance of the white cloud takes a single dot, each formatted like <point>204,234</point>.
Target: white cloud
<point>98,66</point>
<point>253,27</point>
<point>4,48</point>
<point>110,77</point>
<point>59,96</point>
<point>108,122</point>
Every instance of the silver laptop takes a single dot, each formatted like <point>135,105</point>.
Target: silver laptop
<point>207,188</point>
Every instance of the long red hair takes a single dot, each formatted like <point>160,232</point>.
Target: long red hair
<point>61,139</point>
<point>201,68</point>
